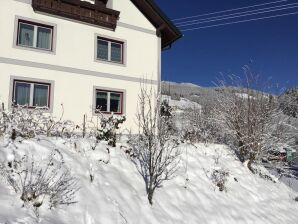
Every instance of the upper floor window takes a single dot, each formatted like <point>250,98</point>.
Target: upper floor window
<point>35,35</point>
<point>31,94</point>
<point>110,50</point>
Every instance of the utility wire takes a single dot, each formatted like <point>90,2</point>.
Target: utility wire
<point>238,13</point>
<point>230,10</point>
<point>242,21</point>
<point>249,14</point>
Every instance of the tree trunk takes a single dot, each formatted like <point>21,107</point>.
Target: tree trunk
<point>242,151</point>
<point>150,196</point>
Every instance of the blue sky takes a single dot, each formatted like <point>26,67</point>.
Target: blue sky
<point>201,55</point>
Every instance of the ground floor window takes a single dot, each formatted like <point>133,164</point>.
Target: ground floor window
<point>109,101</point>
<point>31,94</point>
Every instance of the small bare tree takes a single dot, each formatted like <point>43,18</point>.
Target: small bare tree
<point>156,154</point>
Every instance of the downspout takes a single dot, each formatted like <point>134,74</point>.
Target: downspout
<point>159,48</point>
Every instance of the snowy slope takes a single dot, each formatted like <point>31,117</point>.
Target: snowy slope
<point>118,195</point>
<point>182,104</point>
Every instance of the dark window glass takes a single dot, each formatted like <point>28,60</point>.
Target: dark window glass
<point>115,102</point>
<point>102,101</point>
<point>116,51</point>
<point>102,49</point>
<point>44,38</point>
<point>40,96</point>
<point>22,93</point>
<point>26,35</point>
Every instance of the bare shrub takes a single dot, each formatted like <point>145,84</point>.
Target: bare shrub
<point>199,126</point>
<point>166,112</point>
<point>218,175</point>
<point>252,119</point>
<point>219,178</point>
<point>40,183</point>
<point>155,153</point>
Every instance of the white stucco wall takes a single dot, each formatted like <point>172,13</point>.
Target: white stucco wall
<point>75,47</point>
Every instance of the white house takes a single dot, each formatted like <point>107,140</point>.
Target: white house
<point>82,54</point>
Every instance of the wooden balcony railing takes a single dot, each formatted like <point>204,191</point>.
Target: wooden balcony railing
<point>78,10</point>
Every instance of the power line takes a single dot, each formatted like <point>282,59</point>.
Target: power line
<point>242,21</point>
<point>230,10</point>
<point>249,14</point>
<point>238,13</point>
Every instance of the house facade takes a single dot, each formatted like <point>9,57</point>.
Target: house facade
<point>84,55</point>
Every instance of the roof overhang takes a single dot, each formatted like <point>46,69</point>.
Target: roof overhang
<point>168,32</point>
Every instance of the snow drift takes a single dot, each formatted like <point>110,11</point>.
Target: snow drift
<point>117,193</point>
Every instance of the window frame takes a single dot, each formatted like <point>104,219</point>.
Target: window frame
<point>122,93</point>
<point>35,33</point>
<point>109,40</point>
<point>35,23</point>
<point>31,96</point>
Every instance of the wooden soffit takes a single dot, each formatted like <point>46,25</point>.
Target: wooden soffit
<point>96,14</point>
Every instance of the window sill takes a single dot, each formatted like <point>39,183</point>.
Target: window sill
<point>45,109</point>
<point>108,113</point>
<point>110,62</point>
<point>40,50</point>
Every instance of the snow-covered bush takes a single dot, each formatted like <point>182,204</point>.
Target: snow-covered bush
<point>38,183</point>
<point>155,152</point>
<point>289,102</point>
<point>24,122</point>
<point>199,126</point>
<point>108,126</point>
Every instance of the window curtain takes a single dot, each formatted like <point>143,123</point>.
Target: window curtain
<point>116,52</point>
<point>102,50</point>
<point>22,93</point>
<point>26,35</point>
<point>102,101</point>
<point>43,38</point>
<point>40,96</point>
<point>115,102</point>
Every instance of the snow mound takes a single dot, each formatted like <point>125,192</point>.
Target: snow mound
<point>117,194</point>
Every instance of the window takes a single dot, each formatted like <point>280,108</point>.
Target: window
<point>34,35</point>
<point>109,101</point>
<point>31,94</point>
<point>109,50</point>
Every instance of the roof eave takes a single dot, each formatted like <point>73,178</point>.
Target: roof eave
<point>169,32</point>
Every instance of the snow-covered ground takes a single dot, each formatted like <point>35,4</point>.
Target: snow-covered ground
<point>117,194</point>
<point>181,104</point>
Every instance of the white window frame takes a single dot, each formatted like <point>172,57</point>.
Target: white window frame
<point>110,49</point>
<point>35,26</point>
<point>32,84</point>
<point>109,101</point>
